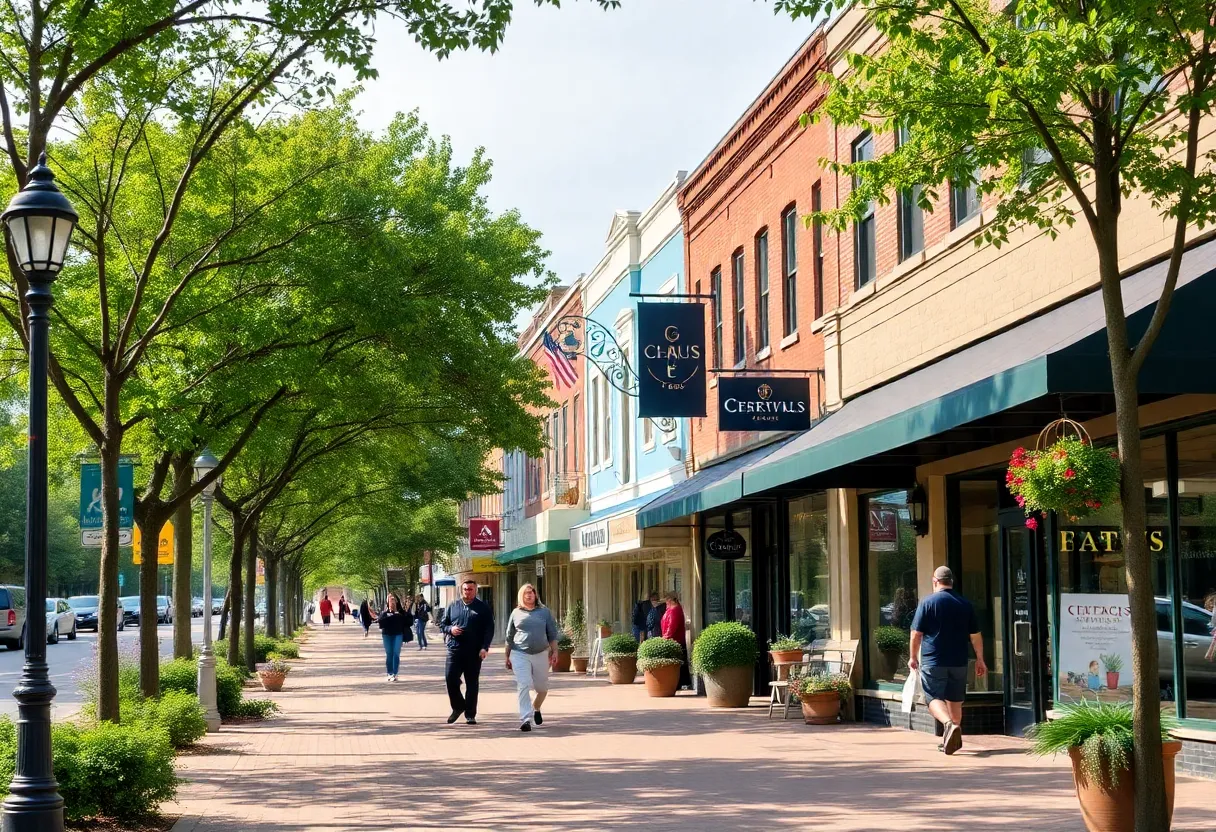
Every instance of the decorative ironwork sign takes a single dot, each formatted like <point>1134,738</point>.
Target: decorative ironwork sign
<point>671,359</point>
<point>727,544</point>
<point>764,403</point>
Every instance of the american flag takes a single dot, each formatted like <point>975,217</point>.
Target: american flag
<point>563,368</point>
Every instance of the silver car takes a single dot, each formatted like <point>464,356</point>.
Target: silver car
<point>1197,635</point>
<point>12,617</point>
<point>60,620</point>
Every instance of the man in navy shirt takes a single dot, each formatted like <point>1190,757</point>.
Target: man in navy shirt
<point>469,626</point>
<point>944,623</point>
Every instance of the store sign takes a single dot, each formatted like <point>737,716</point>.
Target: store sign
<point>1106,541</point>
<point>764,403</point>
<point>727,544</point>
<point>485,535</point>
<point>1095,647</point>
<point>164,550</point>
<point>485,565</point>
<point>671,359</point>
<point>884,530</point>
<point>593,537</point>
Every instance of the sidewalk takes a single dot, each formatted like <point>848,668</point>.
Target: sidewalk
<point>351,751</point>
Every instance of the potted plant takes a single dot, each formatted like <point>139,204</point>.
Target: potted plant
<point>659,659</point>
<point>605,628</point>
<point>1069,476</point>
<point>1112,664</point>
<point>785,649</point>
<point>892,642</point>
<point>273,672</point>
<point>725,654</point>
<point>1098,738</point>
<point>621,657</point>
<point>576,627</point>
<point>565,649</point>
<point>820,694</point>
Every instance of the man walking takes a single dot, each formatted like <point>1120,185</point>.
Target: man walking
<point>469,625</point>
<point>943,625</point>
<point>640,612</point>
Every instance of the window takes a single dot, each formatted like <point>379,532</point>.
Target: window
<point>1034,166</point>
<point>817,249</point>
<point>606,407</point>
<point>978,573</point>
<point>565,440</point>
<point>626,430</point>
<point>864,245</point>
<point>762,290</point>
<point>593,423</point>
<point>555,454</point>
<point>889,565</point>
<point>1197,565</point>
<point>647,433</point>
<point>789,269</point>
<point>547,455</point>
<point>715,288</point>
<point>740,330</point>
<point>810,567</point>
<point>911,216</point>
<point>575,423</point>
<point>964,200</point>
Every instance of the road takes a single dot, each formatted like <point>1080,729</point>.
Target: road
<point>71,661</point>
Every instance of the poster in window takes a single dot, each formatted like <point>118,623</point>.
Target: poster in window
<point>1095,647</point>
<point>671,359</point>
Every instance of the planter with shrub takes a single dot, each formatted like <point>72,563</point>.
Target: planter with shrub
<point>892,644</point>
<point>565,649</point>
<point>605,627</point>
<point>621,658</point>
<point>785,649</point>
<point>821,694</point>
<point>576,627</point>
<point>273,673</point>
<point>725,655</point>
<point>659,659</point>
<point>1098,738</point>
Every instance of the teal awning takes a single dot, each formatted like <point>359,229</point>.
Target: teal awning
<point>1062,351</point>
<point>534,550</point>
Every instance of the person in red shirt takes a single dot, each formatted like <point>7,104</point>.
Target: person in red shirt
<point>327,609</point>
<point>673,628</point>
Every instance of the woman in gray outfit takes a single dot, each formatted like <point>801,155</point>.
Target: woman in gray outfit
<point>532,637</point>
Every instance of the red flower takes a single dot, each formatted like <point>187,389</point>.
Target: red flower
<point>1021,501</point>
<point>1069,474</point>
<point>1019,453</point>
<point>1031,523</point>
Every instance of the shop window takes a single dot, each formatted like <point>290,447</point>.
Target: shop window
<point>1197,551</point>
<point>979,573</point>
<point>890,586</point>
<point>810,598</point>
<point>728,584</point>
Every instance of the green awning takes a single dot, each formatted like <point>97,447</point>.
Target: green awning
<point>535,550</point>
<point>1062,351</point>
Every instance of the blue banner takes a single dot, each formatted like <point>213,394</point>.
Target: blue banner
<point>90,496</point>
<point>671,359</point>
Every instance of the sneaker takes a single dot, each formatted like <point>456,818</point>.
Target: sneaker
<point>953,739</point>
<point>526,727</point>
<point>470,721</point>
<point>454,716</point>
<point>536,715</point>
<point>394,678</point>
<point>388,678</point>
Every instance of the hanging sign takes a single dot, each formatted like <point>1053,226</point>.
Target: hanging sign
<point>485,535</point>
<point>90,500</point>
<point>727,544</point>
<point>671,359</point>
<point>1095,647</point>
<point>164,552</point>
<point>764,403</point>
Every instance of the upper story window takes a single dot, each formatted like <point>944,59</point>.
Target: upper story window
<point>574,423</point>
<point>762,290</point>
<point>593,424</point>
<point>864,236</point>
<point>606,409</point>
<point>911,215</point>
<point>715,289</point>
<point>789,269</point>
<point>565,456</point>
<point>740,335</point>
<point>964,199</point>
<point>817,247</point>
<point>547,457</point>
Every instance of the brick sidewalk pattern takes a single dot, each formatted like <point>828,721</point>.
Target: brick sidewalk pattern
<point>353,752</point>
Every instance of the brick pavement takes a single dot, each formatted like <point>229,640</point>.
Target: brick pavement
<point>351,751</point>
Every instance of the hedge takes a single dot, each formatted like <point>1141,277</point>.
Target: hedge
<point>725,644</point>
<point>657,652</point>
<point>620,645</point>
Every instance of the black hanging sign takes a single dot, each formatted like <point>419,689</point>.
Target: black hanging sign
<point>727,544</point>
<point>764,403</point>
<point>671,359</point>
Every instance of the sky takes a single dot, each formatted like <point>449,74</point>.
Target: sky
<point>585,112</point>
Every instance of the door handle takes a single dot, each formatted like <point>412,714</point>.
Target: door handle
<point>1018,627</point>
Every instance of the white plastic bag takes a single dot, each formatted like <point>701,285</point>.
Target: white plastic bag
<point>911,688</point>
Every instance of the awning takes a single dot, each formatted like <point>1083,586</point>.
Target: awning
<point>534,550</point>
<point>1060,352</point>
<point>710,487</point>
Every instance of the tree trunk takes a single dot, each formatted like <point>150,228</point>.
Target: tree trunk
<point>149,644</point>
<point>224,613</point>
<point>234,588</point>
<point>107,625</point>
<point>272,596</point>
<point>183,560</point>
<point>251,578</point>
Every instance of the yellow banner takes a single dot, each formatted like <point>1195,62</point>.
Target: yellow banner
<point>486,565</point>
<point>164,553</point>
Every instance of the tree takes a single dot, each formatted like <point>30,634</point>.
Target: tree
<point>1069,109</point>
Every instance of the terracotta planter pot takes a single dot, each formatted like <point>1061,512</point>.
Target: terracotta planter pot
<point>1113,810</point>
<point>786,655</point>
<point>563,661</point>
<point>605,631</point>
<point>578,664</point>
<point>622,669</point>
<point>663,680</point>
<point>271,681</point>
<point>820,708</point>
<point>1112,679</point>
<point>730,687</point>
<point>886,664</point>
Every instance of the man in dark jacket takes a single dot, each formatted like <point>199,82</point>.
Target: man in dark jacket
<point>469,626</point>
<point>654,618</point>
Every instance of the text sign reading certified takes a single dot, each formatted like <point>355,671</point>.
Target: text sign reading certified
<point>671,359</point>
<point>726,545</point>
<point>764,403</point>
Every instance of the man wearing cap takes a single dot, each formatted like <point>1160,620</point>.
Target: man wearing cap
<point>944,623</point>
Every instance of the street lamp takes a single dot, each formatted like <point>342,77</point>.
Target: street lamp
<point>204,465</point>
<point>39,220</point>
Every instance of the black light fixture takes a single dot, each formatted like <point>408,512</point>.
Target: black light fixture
<point>918,510</point>
<point>40,221</point>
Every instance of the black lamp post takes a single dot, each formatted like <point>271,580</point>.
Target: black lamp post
<point>39,221</point>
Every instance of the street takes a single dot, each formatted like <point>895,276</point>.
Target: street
<point>70,661</point>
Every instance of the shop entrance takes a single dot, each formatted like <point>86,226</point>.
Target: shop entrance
<point>1026,659</point>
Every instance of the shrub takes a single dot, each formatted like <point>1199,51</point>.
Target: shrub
<point>822,682</point>
<point>565,644</point>
<point>620,645</point>
<point>179,675</point>
<point>287,649</point>
<point>657,652</point>
<point>274,665</point>
<point>1103,732</point>
<point>725,644</point>
<point>177,712</point>
<point>603,622</point>
<point>256,708</point>
<point>229,682</point>
<point>576,625</point>
<point>784,643</point>
<point>890,638</point>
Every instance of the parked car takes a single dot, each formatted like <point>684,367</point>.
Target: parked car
<point>12,617</point>
<point>85,607</point>
<point>130,608</point>
<point>196,607</point>
<point>60,620</point>
<point>1197,636</point>
<point>164,610</point>
<point>217,605</point>
<point>259,611</point>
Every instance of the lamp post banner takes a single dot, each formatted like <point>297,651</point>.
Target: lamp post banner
<point>90,496</point>
<point>671,359</point>
<point>764,403</point>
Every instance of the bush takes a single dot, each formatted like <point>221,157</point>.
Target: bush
<point>890,638</point>
<point>177,712</point>
<point>179,675</point>
<point>620,645</point>
<point>565,644</point>
<point>229,681</point>
<point>1103,732</point>
<point>821,682</point>
<point>784,643</point>
<point>657,652</point>
<point>256,708</point>
<point>275,664</point>
<point>725,644</point>
<point>263,645</point>
<point>287,649</point>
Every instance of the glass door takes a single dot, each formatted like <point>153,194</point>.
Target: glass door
<point>1025,641</point>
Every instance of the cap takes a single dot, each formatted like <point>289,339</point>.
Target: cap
<point>943,575</point>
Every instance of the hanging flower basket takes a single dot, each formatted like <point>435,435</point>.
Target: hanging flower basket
<point>1065,473</point>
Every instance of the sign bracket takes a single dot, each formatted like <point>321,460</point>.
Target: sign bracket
<point>764,371</point>
<point>710,296</point>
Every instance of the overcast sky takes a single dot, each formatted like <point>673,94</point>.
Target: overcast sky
<point>585,112</point>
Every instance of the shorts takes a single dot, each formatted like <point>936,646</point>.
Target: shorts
<point>948,683</point>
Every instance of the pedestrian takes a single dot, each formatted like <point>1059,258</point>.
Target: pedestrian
<point>422,613</point>
<point>469,625</point>
<point>393,621</point>
<point>532,637</point>
<point>342,609</point>
<point>943,625</point>
<point>327,609</point>
<point>673,628</point>
<point>366,615</point>
<point>638,620</point>
<point>654,618</point>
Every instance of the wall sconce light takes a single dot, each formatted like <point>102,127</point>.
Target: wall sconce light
<point>918,508</point>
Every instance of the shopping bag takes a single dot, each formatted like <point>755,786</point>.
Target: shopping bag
<point>911,688</point>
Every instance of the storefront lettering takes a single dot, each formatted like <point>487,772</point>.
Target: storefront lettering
<point>595,537</point>
<point>1105,541</point>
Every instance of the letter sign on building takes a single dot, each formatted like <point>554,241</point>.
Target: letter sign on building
<point>764,403</point>
<point>671,359</point>
<point>485,535</point>
<point>727,544</point>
